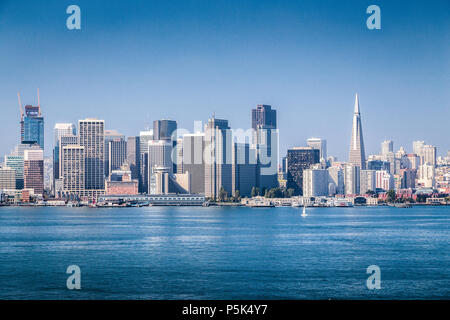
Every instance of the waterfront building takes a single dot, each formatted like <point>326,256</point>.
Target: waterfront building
<point>92,138</point>
<point>7,178</point>
<point>299,159</point>
<point>357,153</point>
<point>144,138</point>
<point>111,135</point>
<point>315,182</point>
<point>60,129</point>
<point>192,148</point>
<point>73,160</point>
<point>351,179</point>
<point>33,170</point>
<point>265,142</point>
<point>15,162</point>
<point>117,154</point>
<point>133,156</point>
<point>120,182</point>
<point>368,181</point>
<point>335,180</point>
<point>217,157</point>
<point>318,143</point>
<point>244,169</point>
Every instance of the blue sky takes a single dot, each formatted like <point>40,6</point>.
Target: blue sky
<point>133,62</point>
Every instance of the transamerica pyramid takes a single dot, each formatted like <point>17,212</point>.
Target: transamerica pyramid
<point>357,155</point>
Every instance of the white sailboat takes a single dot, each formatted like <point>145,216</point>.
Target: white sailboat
<point>304,212</point>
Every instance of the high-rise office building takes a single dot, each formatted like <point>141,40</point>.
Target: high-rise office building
<point>92,138</point>
<point>218,157</point>
<point>32,124</point>
<point>133,156</point>
<point>315,182</point>
<point>264,116</point>
<point>144,138</point>
<point>351,179</point>
<point>265,142</point>
<point>387,146</point>
<point>357,153</point>
<point>299,159</point>
<point>73,171</point>
<point>33,170</point>
<point>15,162</point>
<point>417,147</point>
<point>61,129</point>
<point>368,181</point>
<point>318,143</point>
<point>193,147</point>
<point>117,154</point>
<point>164,129</point>
<point>159,156</point>
<point>429,155</point>
<point>244,169</point>
<point>110,135</point>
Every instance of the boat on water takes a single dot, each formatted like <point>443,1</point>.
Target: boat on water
<point>304,214</point>
<point>296,204</point>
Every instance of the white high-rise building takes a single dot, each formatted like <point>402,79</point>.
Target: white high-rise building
<point>320,144</point>
<point>357,154</point>
<point>368,181</point>
<point>429,155</point>
<point>351,178</point>
<point>315,182</point>
<point>417,147</point>
<point>426,174</point>
<point>386,147</point>
<point>335,180</point>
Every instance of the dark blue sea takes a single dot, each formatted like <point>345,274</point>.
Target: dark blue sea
<point>225,253</point>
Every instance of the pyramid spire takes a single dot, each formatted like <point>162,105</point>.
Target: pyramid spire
<point>357,154</point>
<point>356,104</point>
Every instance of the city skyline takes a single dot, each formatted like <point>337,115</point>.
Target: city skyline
<point>198,64</point>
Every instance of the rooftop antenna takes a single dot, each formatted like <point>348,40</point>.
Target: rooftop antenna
<point>39,103</point>
<point>20,106</point>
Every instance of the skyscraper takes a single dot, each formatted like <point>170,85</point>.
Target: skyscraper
<point>357,154</point>
<point>217,157</point>
<point>91,137</point>
<point>299,159</point>
<point>31,123</point>
<point>73,171</point>
<point>117,154</point>
<point>387,146</point>
<point>193,147</point>
<point>61,129</point>
<point>163,129</point>
<point>265,141</point>
<point>33,170</point>
<point>110,135</point>
<point>133,156</point>
<point>244,169</point>
<point>263,116</point>
<point>318,143</point>
<point>144,138</point>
